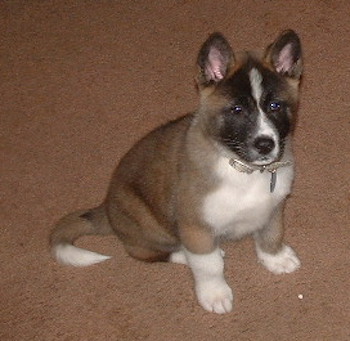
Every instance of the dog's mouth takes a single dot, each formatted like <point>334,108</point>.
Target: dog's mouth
<point>255,161</point>
<point>253,158</point>
<point>264,161</point>
<point>250,154</point>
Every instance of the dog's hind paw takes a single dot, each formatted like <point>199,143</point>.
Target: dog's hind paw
<point>178,257</point>
<point>285,261</point>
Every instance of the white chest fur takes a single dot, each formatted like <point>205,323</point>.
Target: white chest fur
<point>242,203</point>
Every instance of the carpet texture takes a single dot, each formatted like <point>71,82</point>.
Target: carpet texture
<point>81,81</point>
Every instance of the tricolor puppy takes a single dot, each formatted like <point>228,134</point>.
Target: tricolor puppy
<point>221,172</point>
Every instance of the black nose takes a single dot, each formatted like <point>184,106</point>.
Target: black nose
<point>264,145</point>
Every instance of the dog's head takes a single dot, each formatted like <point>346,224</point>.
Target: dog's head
<point>248,103</point>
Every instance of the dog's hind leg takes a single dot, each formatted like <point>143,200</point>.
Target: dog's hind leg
<point>147,254</point>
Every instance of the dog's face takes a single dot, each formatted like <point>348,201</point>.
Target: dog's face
<point>248,104</point>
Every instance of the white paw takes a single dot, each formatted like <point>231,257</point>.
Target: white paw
<point>285,261</point>
<point>215,296</point>
<point>178,257</point>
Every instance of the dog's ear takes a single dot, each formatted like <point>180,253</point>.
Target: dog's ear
<point>285,55</point>
<point>214,59</point>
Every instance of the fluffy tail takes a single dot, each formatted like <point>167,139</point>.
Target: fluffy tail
<point>73,226</point>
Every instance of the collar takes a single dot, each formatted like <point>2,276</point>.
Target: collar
<point>249,169</point>
<point>271,168</point>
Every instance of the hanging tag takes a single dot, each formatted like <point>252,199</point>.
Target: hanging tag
<point>273,180</point>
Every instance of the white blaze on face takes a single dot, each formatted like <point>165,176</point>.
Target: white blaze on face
<point>255,79</point>
<point>265,127</point>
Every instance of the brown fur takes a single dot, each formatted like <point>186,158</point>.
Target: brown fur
<point>157,187</point>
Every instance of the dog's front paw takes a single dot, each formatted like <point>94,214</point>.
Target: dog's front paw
<point>285,261</point>
<point>215,296</point>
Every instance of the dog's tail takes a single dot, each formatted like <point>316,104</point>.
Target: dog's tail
<point>73,226</point>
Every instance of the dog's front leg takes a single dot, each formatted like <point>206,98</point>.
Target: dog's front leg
<point>272,253</point>
<point>212,291</point>
<point>207,264</point>
<point>206,260</point>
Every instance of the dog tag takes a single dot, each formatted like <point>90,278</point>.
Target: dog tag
<point>273,180</point>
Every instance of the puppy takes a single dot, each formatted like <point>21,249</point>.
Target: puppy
<point>221,172</point>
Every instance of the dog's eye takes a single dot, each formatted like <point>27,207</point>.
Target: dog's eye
<point>275,106</point>
<point>236,109</point>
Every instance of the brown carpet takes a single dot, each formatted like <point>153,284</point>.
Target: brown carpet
<point>80,82</point>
